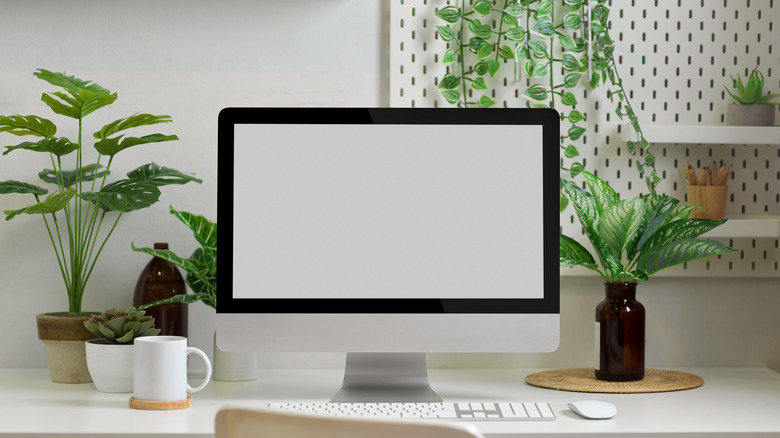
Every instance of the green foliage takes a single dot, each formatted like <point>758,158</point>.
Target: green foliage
<point>121,326</point>
<point>74,212</point>
<point>542,38</point>
<point>201,266</point>
<point>752,91</point>
<point>635,238</point>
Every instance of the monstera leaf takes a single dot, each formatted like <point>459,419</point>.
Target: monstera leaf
<point>124,195</point>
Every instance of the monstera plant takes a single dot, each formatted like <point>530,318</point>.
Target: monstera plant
<point>83,208</point>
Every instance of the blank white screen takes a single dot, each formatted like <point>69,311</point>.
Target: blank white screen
<point>387,211</point>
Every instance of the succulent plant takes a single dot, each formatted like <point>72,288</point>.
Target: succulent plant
<point>122,326</point>
<point>752,91</point>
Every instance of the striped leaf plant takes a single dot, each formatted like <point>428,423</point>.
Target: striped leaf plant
<point>633,239</point>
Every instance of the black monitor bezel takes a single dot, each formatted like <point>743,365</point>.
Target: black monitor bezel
<point>547,118</point>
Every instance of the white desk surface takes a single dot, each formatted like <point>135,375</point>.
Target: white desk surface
<point>733,402</point>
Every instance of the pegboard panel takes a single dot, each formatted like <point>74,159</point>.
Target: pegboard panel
<point>674,58</point>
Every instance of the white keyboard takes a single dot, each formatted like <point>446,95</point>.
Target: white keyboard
<point>504,411</point>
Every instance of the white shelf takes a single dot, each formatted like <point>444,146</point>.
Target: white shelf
<point>749,225</point>
<point>706,134</point>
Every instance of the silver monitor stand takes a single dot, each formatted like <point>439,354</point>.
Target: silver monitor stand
<point>386,377</point>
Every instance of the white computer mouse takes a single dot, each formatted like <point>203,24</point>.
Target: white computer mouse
<point>593,409</point>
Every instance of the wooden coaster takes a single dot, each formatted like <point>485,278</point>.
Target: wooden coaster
<point>151,405</point>
<point>584,380</point>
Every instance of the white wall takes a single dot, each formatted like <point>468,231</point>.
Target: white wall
<point>187,59</point>
<point>191,58</point>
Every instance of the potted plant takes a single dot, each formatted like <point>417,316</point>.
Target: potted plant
<point>110,356</point>
<point>632,239</point>
<point>752,107</point>
<point>83,208</point>
<point>201,268</point>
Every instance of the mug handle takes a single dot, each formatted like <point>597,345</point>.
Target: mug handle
<point>199,352</point>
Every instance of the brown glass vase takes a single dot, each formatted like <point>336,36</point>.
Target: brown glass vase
<point>620,334</point>
<point>159,280</point>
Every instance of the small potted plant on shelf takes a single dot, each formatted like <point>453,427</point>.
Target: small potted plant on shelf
<point>83,208</point>
<point>110,356</point>
<point>632,239</point>
<point>752,107</point>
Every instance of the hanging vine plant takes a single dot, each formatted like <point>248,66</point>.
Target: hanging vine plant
<point>559,47</point>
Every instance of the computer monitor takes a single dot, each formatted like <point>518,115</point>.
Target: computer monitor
<point>388,233</point>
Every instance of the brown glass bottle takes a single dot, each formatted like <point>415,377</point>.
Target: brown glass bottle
<point>161,279</point>
<point>620,334</point>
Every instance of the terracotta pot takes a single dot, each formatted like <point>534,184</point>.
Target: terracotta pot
<point>63,335</point>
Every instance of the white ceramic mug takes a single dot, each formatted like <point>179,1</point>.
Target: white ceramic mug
<point>160,368</point>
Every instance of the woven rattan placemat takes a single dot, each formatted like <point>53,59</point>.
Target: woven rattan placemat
<point>584,380</point>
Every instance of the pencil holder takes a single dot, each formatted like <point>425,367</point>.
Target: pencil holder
<point>712,199</point>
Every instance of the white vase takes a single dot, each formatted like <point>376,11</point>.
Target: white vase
<point>110,365</point>
<point>234,367</point>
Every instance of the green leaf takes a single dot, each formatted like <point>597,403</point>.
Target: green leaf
<point>449,14</point>
<point>539,71</point>
<point>575,132</point>
<point>575,116</point>
<point>449,82</point>
<point>570,62</point>
<point>584,205</point>
<point>479,30</point>
<point>449,57</point>
<point>604,195</point>
<point>27,125</point>
<point>506,52</point>
<point>130,122</point>
<point>58,146</point>
<point>71,83</point>
<point>521,53</point>
<point>53,203</point>
<point>486,102</point>
<point>493,67</point>
<point>566,40</point>
<point>676,230</point>
<point>682,251</point>
<point>445,32</point>
<point>544,28</point>
<point>509,19</point>
<point>484,51</point>
<point>516,34</point>
<point>77,103</point>
<point>451,96</point>
<point>10,186</point>
<point>536,93</point>
<point>574,254</point>
<point>124,195</point>
<point>619,225</point>
<point>67,178</point>
<point>570,151</point>
<point>572,20</point>
<point>479,84</point>
<point>112,146</point>
<point>483,7</point>
<point>516,10</point>
<point>205,232</point>
<point>538,49</point>
<point>544,9</point>
<point>161,176</point>
<point>481,67</point>
<point>572,79</point>
<point>568,99</point>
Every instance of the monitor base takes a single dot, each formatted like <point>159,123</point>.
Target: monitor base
<point>386,377</point>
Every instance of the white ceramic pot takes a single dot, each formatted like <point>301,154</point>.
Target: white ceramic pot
<point>110,365</point>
